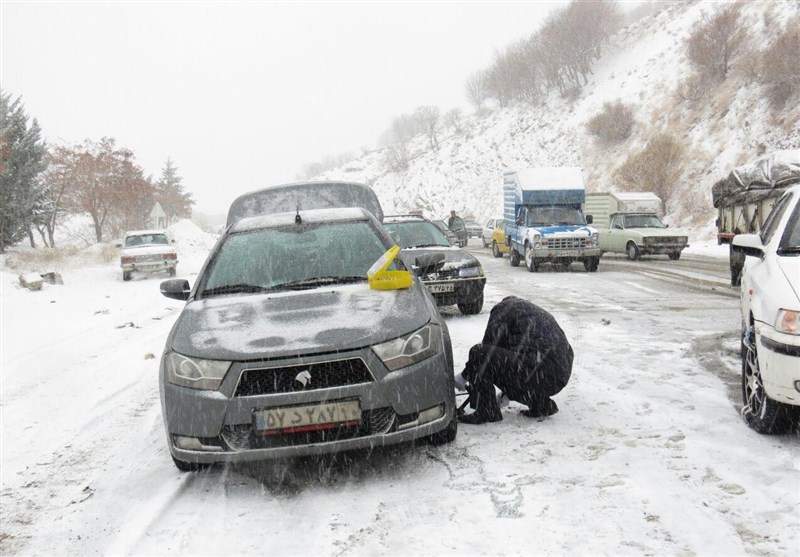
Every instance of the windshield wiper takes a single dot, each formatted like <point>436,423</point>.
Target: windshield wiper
<point>233,289</point>
<point>426,246</point>
<point>306,284</point>
<point>789,251</point>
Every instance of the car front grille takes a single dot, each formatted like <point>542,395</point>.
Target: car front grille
<point>321,375</point>
<point>373,422</point>
<point>447,274</point>
<point>566,243</point>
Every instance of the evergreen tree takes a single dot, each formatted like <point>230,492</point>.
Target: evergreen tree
<point>22,153</point>
<point>170,194</point>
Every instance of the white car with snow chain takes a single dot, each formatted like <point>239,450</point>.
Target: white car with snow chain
<point>770,303</point>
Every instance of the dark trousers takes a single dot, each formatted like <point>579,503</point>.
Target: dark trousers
<point>489,366</point>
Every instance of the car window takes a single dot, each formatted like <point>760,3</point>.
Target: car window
<point>416,234</point>
<point>616,222</point>
<point>774,218</point>
<point>275,257</point>
<point>643,221</point>
<point>146,240</point>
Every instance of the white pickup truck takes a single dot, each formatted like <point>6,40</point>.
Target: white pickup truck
<point>627,222</point>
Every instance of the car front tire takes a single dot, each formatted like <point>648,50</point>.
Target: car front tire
<point>447,435</point>
<point>514,258</point>
<point>760,413</point>
<point>591,264</point>
<point>126,275</point>
<point>530,260</point>
<point>472,307</point>
<point>184,466</point>
<point>496,249</point>
<point>632,250</point>
<point>674,256</point>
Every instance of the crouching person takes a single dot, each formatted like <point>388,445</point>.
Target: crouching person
<point>525,354</point>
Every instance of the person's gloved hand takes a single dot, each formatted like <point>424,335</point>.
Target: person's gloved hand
<point>503,400</point>
<point>461,382</point>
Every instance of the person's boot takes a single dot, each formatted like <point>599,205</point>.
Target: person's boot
<point>541,408</point>
<point>476,418</point>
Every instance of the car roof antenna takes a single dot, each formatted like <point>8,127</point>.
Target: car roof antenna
<point>297,219</point>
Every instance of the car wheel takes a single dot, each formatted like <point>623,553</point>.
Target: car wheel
<point>184,466</point>
<point>760,412</point>
<point>126,275</point>
<point>496,249</point>
<point>471,308</point>
<point>530,261</point>
<point>447,435</point>
<point>514,258</point>
<point>632,250</point>
<point>675,255</point>
<point>172,271</point>
<point>591,264</point>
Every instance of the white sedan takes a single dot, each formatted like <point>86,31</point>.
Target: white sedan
<point>770,304</point>
<point>147,251</point>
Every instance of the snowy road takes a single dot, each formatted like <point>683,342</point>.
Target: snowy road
<point>647,455</point>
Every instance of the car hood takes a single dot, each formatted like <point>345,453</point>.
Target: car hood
<point>154,249</point>
<point>294,323</point>
<point>790,267</point>
<point>454,257</point>
<point>658,232</point>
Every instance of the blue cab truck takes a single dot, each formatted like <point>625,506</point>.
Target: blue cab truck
<point>543,209</point>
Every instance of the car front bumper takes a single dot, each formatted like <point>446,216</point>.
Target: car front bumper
<point>150,266</point>
<point>779,362</point>
<point>392,406</point>
<point>661,248</point>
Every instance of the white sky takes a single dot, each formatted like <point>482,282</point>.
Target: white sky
<point>242,95</point>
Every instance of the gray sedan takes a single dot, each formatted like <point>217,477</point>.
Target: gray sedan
<point>283,349</point>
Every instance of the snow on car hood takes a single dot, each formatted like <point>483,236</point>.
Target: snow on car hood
<point>285,324</point>
<point>454,257</point>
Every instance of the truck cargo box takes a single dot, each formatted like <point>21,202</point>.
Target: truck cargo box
<point>601,205</point>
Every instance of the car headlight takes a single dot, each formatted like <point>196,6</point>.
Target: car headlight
<point>788,322</point>
<point>537,241</point>
<point>471,272</point>
<point>648,240</point>
<point>410,349</point>
<point>194,372</point>
<point>683,239</point>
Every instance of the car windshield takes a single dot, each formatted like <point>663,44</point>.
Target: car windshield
<point>416,234</point>
<point>146,240</point>
<point>295,257</point>
<point>539,216</point>
<point>643,221</point>
<point>440,224</point>
<point>790,243</point>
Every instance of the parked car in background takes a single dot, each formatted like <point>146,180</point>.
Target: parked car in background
<point>499,244</point>
<point>488,228</point>
<point>449,234</point>
<point>147,251</point>
<point>770,305</point>
<point>459,282</point>
<point>459,228</point>
<point>285,347</point>
<point>474,230</point>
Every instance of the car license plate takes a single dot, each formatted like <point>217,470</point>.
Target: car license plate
<point>570,253</point>
<point>294,419</point>
<point>441,288</point>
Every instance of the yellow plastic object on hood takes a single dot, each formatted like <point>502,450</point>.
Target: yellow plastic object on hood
<point>380,278</point>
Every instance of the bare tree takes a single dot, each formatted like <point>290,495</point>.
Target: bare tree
<point>656,168</point>
<point>428,119</point>
<point>613,123</point>
<point>453,119</point>
<point>716,41</point>
<point>476,90</point>
<point>780,69</point>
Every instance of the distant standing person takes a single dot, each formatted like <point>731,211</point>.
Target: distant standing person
<point>453,217</point>
<point>525,354</point>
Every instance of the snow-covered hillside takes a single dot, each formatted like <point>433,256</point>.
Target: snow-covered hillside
<point>644,65</point>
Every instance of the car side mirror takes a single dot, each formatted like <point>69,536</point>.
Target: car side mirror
<point>177,289</point>
<point>428,263</point>
<point>117,245</point>
<point>616,226</point>
<point>518,222</point>
<point>748,244</point>
<point>589,219</point>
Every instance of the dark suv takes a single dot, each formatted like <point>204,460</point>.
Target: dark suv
<point>459,282</point>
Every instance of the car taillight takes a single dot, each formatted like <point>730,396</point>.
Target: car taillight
<point>170,256</point>
<point>128,259</point>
